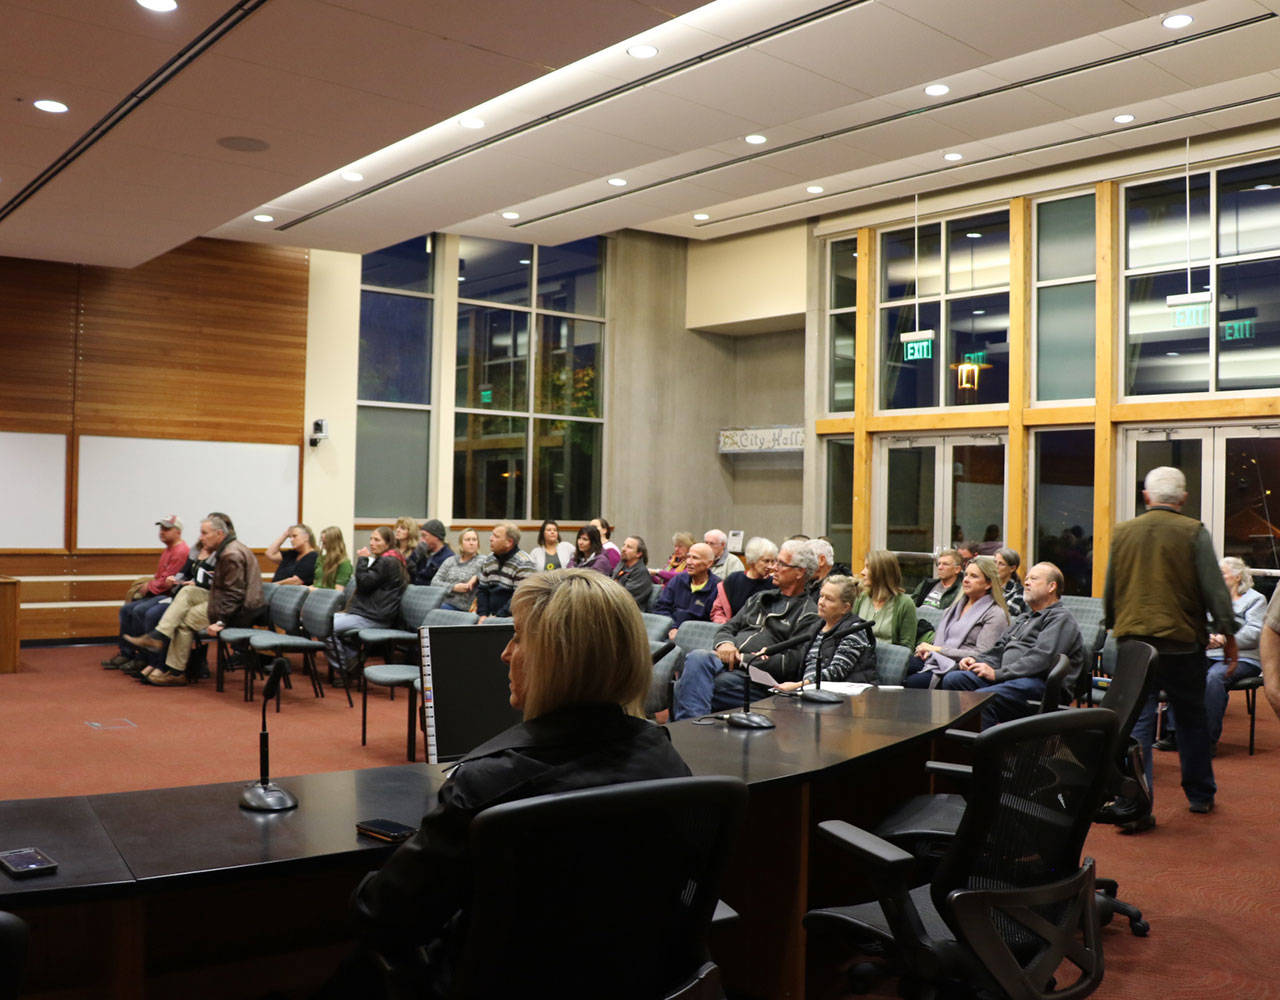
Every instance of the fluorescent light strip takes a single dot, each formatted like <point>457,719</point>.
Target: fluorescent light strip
<point>939,106</point>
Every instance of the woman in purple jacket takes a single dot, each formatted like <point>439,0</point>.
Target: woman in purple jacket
<point>590,552</point>
<point>971,625</point>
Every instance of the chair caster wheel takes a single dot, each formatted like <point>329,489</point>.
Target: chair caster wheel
<point>1139,928</point>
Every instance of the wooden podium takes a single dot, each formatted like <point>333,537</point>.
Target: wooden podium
<point>8,625</point>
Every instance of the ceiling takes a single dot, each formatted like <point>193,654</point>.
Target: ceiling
<point>300,90</point>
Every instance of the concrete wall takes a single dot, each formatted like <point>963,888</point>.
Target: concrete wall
<point>670,389</point>
<point>333,353</point>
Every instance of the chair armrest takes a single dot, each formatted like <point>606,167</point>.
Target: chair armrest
<point>963,735</point>
<point>949,769</point>
<point>868,848</point>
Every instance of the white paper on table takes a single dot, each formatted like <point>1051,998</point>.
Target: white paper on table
<point>760,677</point>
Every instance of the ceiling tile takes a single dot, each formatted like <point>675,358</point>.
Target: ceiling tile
<point>1226,56</point>
<point>1106,86</point>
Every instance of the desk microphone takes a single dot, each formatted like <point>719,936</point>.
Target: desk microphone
<point>264,795</point>
<point>747,719</point>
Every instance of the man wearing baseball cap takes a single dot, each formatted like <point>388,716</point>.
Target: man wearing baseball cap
<point>151,595</point>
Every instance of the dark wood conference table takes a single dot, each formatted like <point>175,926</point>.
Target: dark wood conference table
<point>178,892</point>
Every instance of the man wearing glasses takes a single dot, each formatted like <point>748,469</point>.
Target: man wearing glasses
<point>712,680</point>
<point>942,589</point>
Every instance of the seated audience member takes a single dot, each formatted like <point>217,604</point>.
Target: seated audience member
<point>734,590</point>
<point>1269,653</point>
<point>940,590</point>
<point>632,573</point>
<point>882,601</point>
<point>826,556</point>
<point>335,569</point>
<point>196,576</point>
<point>579,671</point>
<point>407,541</point>
<point>459,573</point>
<point>149,597</point>
<point>382,574</point>
<point>550,552</point>
<point>680,543</point>
<point>1007,563</point>
<point>725,562</point>
<point>430,553</point>
<point>610,550</point>
<point>500,571</point>
<point>295,566</point>
<point>590,553</point>
<point>841,650</point>
<point>689,595</point>
<point>1015,668</point>
<point>970,625</point>
<point>1250,608</point>
<point>234,598</point>
<point>712,680</point>
<point>967,551</point>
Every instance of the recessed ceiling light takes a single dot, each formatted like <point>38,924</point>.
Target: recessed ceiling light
<point>979,312</point>
<point>163,6</point>
<point>1263,187</point>
<point>351,175</point>
<point>263,217</point>
<point>973,236</point>
<point>952,157</point>
<point>700,216</point>
<point>461,278</point>
<point>937,89</point>
<point>471,122</point>
<point>525,260</point>
<point>618,182</point>
<point>1124,119</point>
<point>1171,354</point>
<point>53,107</point>
<point>642,51</point>
<point>755,139</point>
<point>1175,21</point>
<point>511,215</point>
<point>815,189</point>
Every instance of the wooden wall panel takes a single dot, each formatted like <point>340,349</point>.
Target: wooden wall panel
<point>207,342</point>
<point>37,345</point>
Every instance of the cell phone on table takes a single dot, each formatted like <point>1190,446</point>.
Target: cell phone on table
<point>385,829</point>
<point>27,862</point>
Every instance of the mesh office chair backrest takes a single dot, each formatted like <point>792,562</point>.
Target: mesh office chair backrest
<point>1037,783</point>
<point>1055,685</point>
<point>286,605</point>
<point>318,611</point>
<point>1125,694</point>
<point>604,892</point>
<point>13,954</point>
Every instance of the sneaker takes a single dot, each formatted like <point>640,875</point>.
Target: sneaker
<point>167,678</point>
<point>1201,807</point>
<point>116,662</point>
<point>1167,742</point>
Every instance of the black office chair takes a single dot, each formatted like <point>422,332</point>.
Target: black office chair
<point>1011,906</point>
<point>926,824</point>
<point>13,954</point>
<point>604,892</point>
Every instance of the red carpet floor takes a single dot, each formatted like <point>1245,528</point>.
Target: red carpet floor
<point>68,727</point>
<point>1209,885</point>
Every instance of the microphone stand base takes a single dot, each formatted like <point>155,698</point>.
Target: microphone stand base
<point>749,720</point>
<point>821,697</point>
<point>267,798</point>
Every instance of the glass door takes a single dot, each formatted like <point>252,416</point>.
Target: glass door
<point>932,493</point>
<point>1233,483</point>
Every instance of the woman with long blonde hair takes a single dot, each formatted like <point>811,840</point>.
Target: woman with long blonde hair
<point>883,602</point>
<point>335,564</point>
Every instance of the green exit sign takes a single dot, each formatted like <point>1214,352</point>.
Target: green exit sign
<point>1241,329</point>
<point>917,350</point>
<point>486,395</point>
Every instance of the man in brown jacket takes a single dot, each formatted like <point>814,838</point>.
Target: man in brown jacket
<point>235,598</point>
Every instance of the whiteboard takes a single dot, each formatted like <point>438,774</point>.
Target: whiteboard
<point>33,490</point>
<point>127,484</point>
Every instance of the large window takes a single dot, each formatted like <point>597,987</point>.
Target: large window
<point>842,306</point>
<point>1203,288</point>
<point>944,313</point>
<point>1063,515</point>
<point>529,423</point>
<point>1065,262</point>
<point>840,498</point>
<point>393,413</point>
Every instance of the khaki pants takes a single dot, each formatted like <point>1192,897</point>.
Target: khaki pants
<point>187,615</point>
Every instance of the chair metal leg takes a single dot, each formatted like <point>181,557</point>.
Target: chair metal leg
<point>1251,703</point>
<point>220,670</point>
<point>364,706</point>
